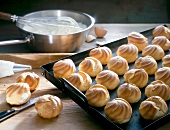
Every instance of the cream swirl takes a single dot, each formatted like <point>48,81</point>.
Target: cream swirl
<point>158,88</point>
<point>118,110</point>
<point>118,65</point>
<point>162,41</point>
<point>91,66</point>
<point>108,78</point>
<point>97,95</point>
<point>147,63</point>
<point>128,51</point>
<point>166,61</point>
<point>129,92</point>
<point>153,108</point>
<point>64,68</point>
<point>139,77</point>
<point>155,51</point>
<point>163,74</point>
<point>103,54</point>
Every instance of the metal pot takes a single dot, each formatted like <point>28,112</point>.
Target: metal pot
<point>55,43</point>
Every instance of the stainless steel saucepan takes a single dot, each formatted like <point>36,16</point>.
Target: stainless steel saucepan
<point>55,43</point>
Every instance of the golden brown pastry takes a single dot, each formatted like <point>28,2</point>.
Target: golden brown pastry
<point>155,51</point>
<point>118,111</point>
<point>162,41</point>
<point>91,66</point>
<point>29,77</point>
<point>80,80</point>
<point>103,54</point>
<point>64,68</point>
<point>138,40</point>
<point>161,31</point>
<point>166,61</point>
<point>139,77</point>
<point>48,106</point>
<point>129,92</point>
<point>158,88</point>
<point>108,78</point>
<point>147,63</point>
<point>163,74</point>
<point>118,65</point>
<point>97,95</point>
<point>153,108</point>
<point>18,93</point>
<point>128,51</point>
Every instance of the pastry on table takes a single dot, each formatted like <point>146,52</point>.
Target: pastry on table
<point>97,95</point>
<point>166,61</point>
<point>163,74</point>
<point>48,106</point>
<point>80,80</point>
<point>29,77</point>
<point>153,50</point>
<point>118,65</point>
<point>64,68</point>
<point>130,92</point>
<point>18,93</point>
<point>139,40</point>
<point>91,66</point>
<point>162,41</point>
<point>148,63</point>
<point>118,111</point>
<point>108,78</point>
<point>161,31</point>
<point>128,51</point>
<point>139,77</point>
<point>158,88</point>
<point>153,108</point>
<point>103,54</point>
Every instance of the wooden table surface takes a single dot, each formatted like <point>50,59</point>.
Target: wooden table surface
<point>72,116</point>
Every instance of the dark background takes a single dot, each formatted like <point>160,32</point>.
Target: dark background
<point>104,11</point>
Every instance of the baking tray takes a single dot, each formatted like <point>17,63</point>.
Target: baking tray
<point>136,122</point>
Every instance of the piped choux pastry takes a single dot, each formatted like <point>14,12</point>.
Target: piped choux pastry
<point>166,61</point>
<point>161,31</point>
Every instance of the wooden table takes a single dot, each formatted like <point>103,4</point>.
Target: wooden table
<point>72,117</point>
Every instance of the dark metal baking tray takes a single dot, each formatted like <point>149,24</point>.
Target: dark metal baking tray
<point>136,122</point>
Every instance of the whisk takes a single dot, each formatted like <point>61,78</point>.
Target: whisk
<point>39,21</point>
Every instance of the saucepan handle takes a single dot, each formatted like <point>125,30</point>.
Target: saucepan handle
<point>11,42</point>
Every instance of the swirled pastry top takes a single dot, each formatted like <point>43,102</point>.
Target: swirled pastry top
<point>48,106</point>
<point>97,95</point>
<point>153,108</point>
<point>128,51</point>
<point>118,110</point>
<point>158,88</point>
<point>139,77</point>
<point>129,92</point>
<point>64,68</point>
<point>118,65</point>
<point>166,61</point>
<point>139,40</point>
<point>147,63</point>
<point>103,54</point>
<point>153,50</point>
<point>80,80</point>
<point>162,41</point>
<point>161,31</point>
<point>18,93</point>
<point>163,74</point>
<point>108,78</point>
<point>29,77</point>
<point>91,66</point>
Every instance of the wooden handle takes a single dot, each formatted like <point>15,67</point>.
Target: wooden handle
<point>5,16</point>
